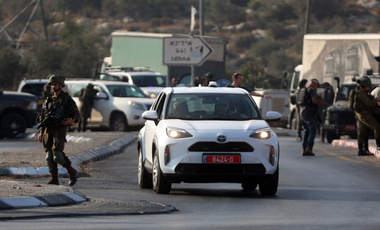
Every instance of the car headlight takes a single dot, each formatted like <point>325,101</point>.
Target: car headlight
<point>261,134</point>
<point>177,133</point>
<point>32,105</point>
<point>136,105</point>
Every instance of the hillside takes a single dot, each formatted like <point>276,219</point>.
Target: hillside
<point>265,36</point>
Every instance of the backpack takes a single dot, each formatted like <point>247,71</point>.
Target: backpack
<point>352,100</point>
<point>303,97</point>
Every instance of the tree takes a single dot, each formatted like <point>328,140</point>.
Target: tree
<point>10,68</point>
<point>81,51</point>
<point>222,12</point>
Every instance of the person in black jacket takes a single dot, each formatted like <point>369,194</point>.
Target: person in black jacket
<point>309,117</point>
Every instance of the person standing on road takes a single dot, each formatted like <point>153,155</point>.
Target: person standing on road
<point>365,105</point>
<point>301,85</point>
<point>53,136</point>
<point>86,98</point>
<point>309,116</point>
<point>237,80</point>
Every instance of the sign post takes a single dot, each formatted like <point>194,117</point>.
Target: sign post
<point>185,51</point>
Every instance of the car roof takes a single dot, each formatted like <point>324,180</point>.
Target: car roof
<point>135,73</point>
<point>35,81</point>
<point>99,81</point>
<point>194,90</point>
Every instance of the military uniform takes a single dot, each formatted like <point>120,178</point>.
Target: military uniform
<point>54,137</point>
<point>86,97</point>
<point>365,105</point>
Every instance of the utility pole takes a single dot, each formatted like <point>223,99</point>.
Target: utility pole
<point>201,17</point>
<point>307,18</point>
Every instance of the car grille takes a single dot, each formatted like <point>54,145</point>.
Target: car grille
<point>218,147</point>
<point>220,169</point>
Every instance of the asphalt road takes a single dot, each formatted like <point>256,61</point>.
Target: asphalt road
<point>333,190</point>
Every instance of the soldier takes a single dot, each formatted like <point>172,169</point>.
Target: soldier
<point>53,136</point>
<point>86,98</point>
<point>365,104</point>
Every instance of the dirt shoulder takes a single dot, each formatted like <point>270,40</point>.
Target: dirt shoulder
<point>35,158</point>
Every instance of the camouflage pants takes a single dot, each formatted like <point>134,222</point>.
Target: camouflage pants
<point>367,122</point>
<point>54,143</point>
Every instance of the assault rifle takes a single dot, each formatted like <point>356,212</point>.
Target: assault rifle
<point>52,117</point>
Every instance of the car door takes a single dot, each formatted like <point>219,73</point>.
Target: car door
<point>101,109</point>
<point>150,126</point>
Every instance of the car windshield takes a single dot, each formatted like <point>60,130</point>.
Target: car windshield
<point>208,106</point>
<point>149,80</point>
<point>126,91</point>
<point>344,92</point>
<point>109,77</point>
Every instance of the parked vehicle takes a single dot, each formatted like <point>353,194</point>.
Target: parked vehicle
<point>18,111</point>
<point>117,106</point>
<point>186,138</point>
<point>150,82</point>
<point>279,103</point>
<point>327,56</point>
<point>35,87</point>
<point>339,118</point>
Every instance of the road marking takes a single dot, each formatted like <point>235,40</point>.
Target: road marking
<point>345,158</point>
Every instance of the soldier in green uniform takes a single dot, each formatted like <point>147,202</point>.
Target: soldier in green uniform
<point>53,135</point>
<point>365,104</point>
<point>86,98</point>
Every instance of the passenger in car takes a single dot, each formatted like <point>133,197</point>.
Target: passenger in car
<point>223,108</point>
<point>180,109</point>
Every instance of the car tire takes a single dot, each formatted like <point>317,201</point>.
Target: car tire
<point>249,186</point>
<point>269,188</point>
<point>330,136</point>
<point>160,185</point>
<point>119,123</point>
<point>143,177</point>
<point>12,125</point>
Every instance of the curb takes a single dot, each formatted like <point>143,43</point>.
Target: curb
<point>64,198</point>
<point>94,154</point>
<point>43,201</point>
<point>354,144</point>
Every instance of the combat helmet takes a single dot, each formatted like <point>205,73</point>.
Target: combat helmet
<point>56,78</point>
<point>364,81</point>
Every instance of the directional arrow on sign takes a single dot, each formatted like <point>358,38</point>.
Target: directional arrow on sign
<point>185,51</point>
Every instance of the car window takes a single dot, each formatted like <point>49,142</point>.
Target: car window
<point>211,107</point>
<point>126,91</point>
<point>149,80</point>
<point>35,89</point>
<point>75,89</point>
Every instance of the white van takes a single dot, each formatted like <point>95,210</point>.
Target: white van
<point>279,103</point>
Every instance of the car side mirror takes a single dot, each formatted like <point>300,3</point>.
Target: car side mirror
<point>150,115</point>
<point>272,116</point>
<point>101,95</point>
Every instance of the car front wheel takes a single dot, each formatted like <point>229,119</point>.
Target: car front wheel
<point>143,176</point>
<point>160,185</point>
<point>119,123</point>
<point>12,125</point>
<point>269,188</point>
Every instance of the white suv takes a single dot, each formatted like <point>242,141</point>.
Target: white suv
<point>151,82</point>
<point>118,105</point>
<point>207,134</point>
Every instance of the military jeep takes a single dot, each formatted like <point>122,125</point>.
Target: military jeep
<point>339,118</point>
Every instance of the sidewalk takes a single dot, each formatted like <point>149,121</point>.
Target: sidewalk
<point>15,194</point>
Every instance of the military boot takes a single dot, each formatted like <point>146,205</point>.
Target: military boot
<point>54,178</point>
<point>72,173</point>
<point>362,152</point>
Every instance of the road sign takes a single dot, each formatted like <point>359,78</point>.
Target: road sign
<point>223,83</point>
<point>185,51</point>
